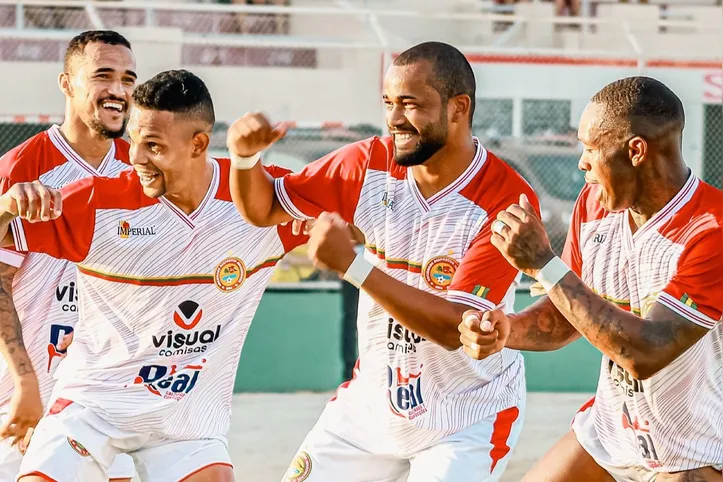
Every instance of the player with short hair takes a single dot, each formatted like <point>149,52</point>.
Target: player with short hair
<point>97,82</point>
<point>642,279</point>
<point>423,198</point>
<point>169,277</point>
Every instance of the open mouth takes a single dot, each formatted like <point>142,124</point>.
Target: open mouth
<point>147,178</point>
<point>404,139</point>
<point>113,106</point>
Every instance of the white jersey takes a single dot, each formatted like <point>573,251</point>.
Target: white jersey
<point>407,391</point>
<point>166,300</point>
<point>674,420</point>
<point>44,288</point>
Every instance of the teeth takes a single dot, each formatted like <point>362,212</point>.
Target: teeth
<point>113,105</point>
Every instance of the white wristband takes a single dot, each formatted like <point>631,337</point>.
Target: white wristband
<point>243,163</point>
<point>359,269</point>
<point>552,273</point>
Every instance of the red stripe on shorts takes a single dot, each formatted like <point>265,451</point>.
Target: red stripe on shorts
<point>501,433</point>
<point>37,474</point>
<point>204,468</point>
<point>59,405</point>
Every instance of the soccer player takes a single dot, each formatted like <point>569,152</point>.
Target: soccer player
<point>97,82</point>
<point>642,279</point>
<point>169,278</point>
<point>423,198</point>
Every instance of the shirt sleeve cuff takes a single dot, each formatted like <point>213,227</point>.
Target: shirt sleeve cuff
<point>470,300</point>
<point>686,311</point>
<point>283,196</point>
<point>21,242</point>
<point>11,258</point>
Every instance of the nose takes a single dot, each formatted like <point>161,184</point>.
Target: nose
<point>136,157</point>
<point>396,117</point>
<point>582,164</point>
<point>115,88</point>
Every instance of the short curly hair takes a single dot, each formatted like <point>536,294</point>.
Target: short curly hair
<point>177,91</point>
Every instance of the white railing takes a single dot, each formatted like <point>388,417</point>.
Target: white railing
<point>369,15</point>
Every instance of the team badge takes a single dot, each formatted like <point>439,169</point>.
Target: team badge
<point>647,304</point>
<point>78,448</point>
<point>438,272</point>
<point>300,468</point>
<point>229,274</point>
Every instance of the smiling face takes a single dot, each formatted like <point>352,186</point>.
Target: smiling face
<point>98,87</point>
<point>164,150</point>
<point>416,113</point>
<point>606,159</point>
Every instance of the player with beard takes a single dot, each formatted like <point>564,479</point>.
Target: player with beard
<point>38,294</point>
<point>417,407</point>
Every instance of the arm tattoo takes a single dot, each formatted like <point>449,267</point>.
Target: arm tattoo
<point>11,335</point>
<point>540,327</point>
<point>625,338</point>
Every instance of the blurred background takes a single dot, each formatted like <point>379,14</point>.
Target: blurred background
<point>319,64</point>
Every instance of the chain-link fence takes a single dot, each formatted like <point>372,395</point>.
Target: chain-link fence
<point>531,125</point>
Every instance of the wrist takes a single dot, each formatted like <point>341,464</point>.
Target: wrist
<point>244,162</point>
<point>551,274</point>
<point>359,269</point>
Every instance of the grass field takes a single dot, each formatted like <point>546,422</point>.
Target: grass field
<point>266,430</point>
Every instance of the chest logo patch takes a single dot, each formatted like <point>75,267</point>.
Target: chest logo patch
<point>230,274</point>
<point>438,272</point>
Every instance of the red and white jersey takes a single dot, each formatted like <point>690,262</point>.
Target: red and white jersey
<point>673,420</point>
<point>166,300</point>
<point>408,390</point>
<point>44,288</point>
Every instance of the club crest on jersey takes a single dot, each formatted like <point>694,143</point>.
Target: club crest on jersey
<point>404,393</point>
<point>78,447</point>
<point>438,272</point>
<point>230,274</point>
<point>299,469</point>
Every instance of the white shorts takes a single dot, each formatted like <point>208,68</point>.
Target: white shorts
<point>584,427</point>
<point>76,445</point>
<point>10,459</point>
<point>478,453</point>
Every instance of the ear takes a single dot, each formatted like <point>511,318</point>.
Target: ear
<point>637,150</point>
<point>64,84</point>
<point>200,141</point>
<point>459,108</point>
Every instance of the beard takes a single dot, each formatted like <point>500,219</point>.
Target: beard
<point>105,132</point>
<point>431,139</point>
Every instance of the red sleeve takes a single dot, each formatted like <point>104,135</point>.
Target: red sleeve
<point>332,183</point>
<point>70,235</point>
<point>288,239</point>
<point>484,276</point>
<point>696,290</point>
<point>571,252</point>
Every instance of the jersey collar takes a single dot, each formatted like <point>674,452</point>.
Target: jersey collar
<point>190,219</point>
<point>74,158</point>
<point>457,185</point>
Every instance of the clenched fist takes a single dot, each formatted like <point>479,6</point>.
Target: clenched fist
<point>32,201</point>
<point>483,334</point>
<point>252,133</point>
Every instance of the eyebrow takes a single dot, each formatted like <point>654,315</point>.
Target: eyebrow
<point>401,97</point>
<point>104,70</point>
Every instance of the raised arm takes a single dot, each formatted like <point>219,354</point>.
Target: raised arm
<point>252,188</point>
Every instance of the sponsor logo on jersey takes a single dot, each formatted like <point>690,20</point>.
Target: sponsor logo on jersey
<point>404,393</point>
<point>641,432</point>
<point>401,339</point>
<point>67,296</point>
<point>125,230</point>
<point>169,382</point>
<point>230,274</point>
<point>78,447</point>
<point>186,316</point>
<point>57,332</point>
<point>647,304</point>
<point>626,384</point>
<point>438,272</point>
<point>300,468</point>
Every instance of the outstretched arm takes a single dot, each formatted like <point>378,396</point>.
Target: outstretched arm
<point>252,188</point>
<point>540,327</point>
